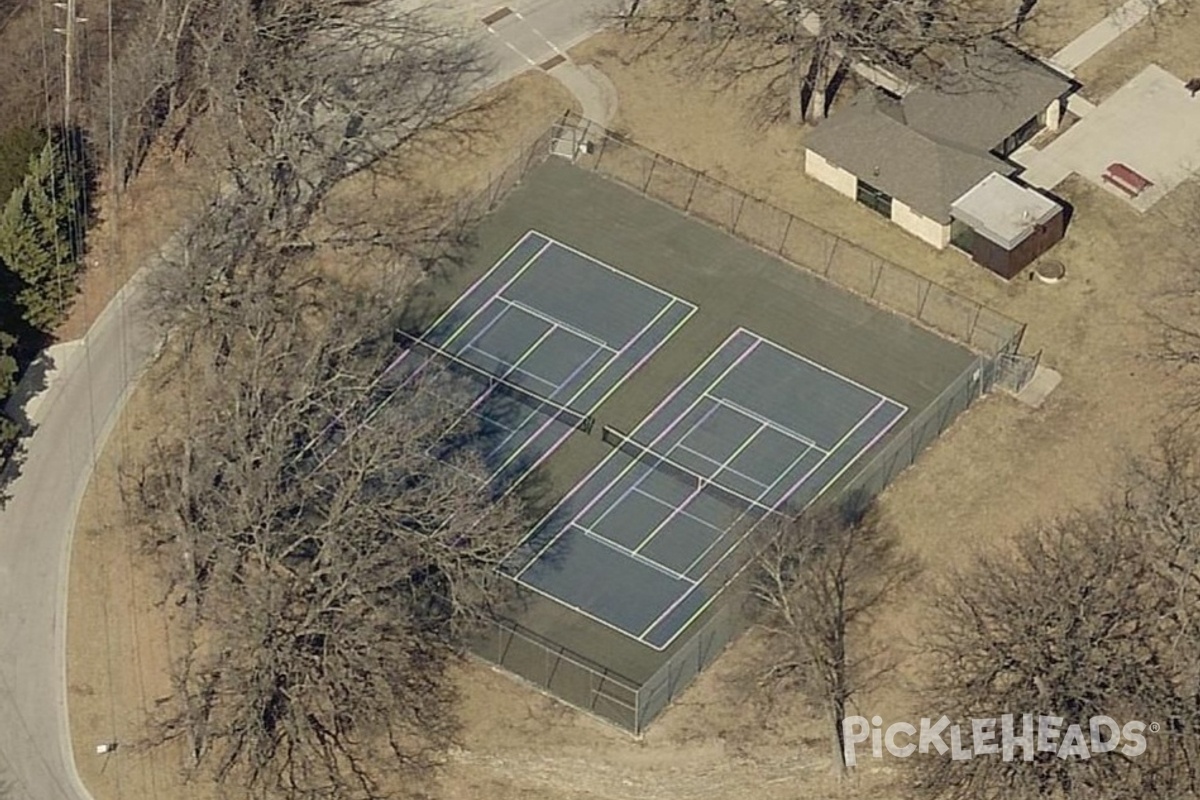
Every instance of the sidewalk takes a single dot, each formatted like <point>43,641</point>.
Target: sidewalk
<point>1103,33</point>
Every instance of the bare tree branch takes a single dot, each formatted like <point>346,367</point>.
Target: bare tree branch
<point>819,581</point>
<point>1091,615</point>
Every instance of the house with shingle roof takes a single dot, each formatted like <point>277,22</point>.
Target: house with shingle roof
<point>934,160</point>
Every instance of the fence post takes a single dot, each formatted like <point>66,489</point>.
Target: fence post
<point>687,207</point>
<point>650,174</point>
<point>832,251</point>
<point>923,295</point>
<point>787,229</point>
<point>533,154</point>
<point>973,323</point>
<point>738,216</point>
<point>600,153</point>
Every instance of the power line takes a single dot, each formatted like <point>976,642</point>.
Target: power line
<point>68,31</point>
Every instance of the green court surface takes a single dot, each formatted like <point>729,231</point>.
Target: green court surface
<point>815,328</point>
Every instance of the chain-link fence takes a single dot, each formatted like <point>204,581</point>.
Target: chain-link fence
<point>580,681</point>
<point>633,704</point>
<point>784,234</point>
<point>589,685</point>
<point>477,206</point>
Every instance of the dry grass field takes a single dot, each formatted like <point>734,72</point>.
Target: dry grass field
<point>1000,467</point>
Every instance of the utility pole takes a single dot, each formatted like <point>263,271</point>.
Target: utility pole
<point>68,31</point>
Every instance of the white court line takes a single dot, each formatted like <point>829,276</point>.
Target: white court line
<point>620,272</point>
<point>675,421</point>
<point>558,323</point>
<point>586,614</point>
<point>466,323</point>
<point>731,470</point>
<point>784,473</point>
<point>625,551</point>
<point>865,448</point>
<point>682,512</point>
<point>625,375</point>
<point>462,298</point>
<point>791,491</point>
<point>840,442</point>
<point>818,365</point>
<point>712,478</point>
<point>485,394</point>
<point>511,368</point>
<point>641,479</point>
<point>534,413</point>
<point>457,302</point>
<point>671,303</point>
<point>735,545</point>
<point>745,512</point>
<point>461,328</point>
<point>591,473</point>
<point>769,423</point>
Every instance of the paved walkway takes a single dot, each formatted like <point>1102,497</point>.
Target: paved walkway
<point>76,414</point>
<point>1104,33</point>
<point>86,397</point>
<point>522,34</point>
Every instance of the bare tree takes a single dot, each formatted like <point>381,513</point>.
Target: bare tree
<point>819,581</point>
<point>1176,311</point>
<point>1090,616</point>
<point>328,554</point>
<point>807,46</point>
<point>312,90</point>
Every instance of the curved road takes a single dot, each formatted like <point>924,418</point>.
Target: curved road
<point>76,414</point>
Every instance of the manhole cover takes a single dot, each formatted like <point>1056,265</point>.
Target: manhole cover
<point>1050,271</point>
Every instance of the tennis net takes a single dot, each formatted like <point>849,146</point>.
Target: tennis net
<point>689,477</point>
<point>496,386</point>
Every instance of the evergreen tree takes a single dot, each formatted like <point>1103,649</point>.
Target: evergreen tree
<point>17,146</point>
<point>40,233</point>
<point>8,366</point>
<point>8,382</point>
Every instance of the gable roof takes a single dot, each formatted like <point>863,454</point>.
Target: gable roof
<point>870,138</point>
<point>931,146</point>
<point>984,96</point>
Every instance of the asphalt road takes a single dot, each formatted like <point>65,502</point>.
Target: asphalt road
<point>77,413</point>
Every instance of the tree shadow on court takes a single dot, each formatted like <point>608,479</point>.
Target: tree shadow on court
<point>424,302</point>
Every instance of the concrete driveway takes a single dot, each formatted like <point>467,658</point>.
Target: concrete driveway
<point>76,414</point>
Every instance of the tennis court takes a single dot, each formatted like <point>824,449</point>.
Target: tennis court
<point>546,334</point>
<point>648,539</point>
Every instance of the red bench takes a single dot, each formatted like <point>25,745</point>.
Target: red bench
<point>1125,179</point>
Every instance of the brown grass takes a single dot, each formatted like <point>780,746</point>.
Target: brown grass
<point>1001,467</point>
<point>1169,38</point>
<point>119,644</point>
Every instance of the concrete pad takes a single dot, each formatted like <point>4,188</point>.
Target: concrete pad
<point>1041,168</point>
<point>1043,382</point>
<point>1079,105</point>
<point>1151,124</point>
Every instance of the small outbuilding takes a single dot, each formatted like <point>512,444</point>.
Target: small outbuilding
<point>1004,225</point>
<point>944,146</point>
